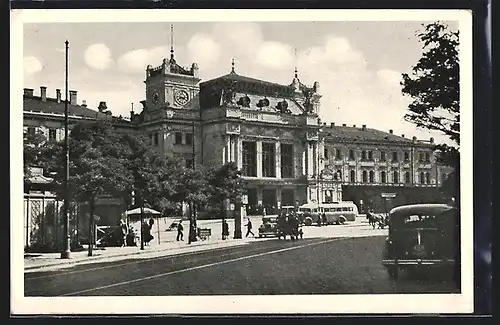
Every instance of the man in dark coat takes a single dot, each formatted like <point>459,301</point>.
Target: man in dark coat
<point>180,234</point>
<point>249,228</point>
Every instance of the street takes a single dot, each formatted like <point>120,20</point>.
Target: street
<point>314,265</point>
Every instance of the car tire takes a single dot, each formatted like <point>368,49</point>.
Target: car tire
<point>392,271</point>
<point>308,222</point>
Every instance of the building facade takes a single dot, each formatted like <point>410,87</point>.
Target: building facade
<point>271,131</point>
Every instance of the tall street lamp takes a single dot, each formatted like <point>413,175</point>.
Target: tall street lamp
<point>66,252</point>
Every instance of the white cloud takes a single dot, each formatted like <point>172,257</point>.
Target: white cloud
<point>203,49</point>
<point>98,57</point>
<point>134,61</point>
<point>275,55</point>
<point>31,65</point>
<point>241,38</point>
<point>390,77</point>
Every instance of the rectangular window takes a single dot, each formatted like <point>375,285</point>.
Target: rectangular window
<point>287,160</point>
<point>189,163</point>
<point>31,131</point>
<point>363,155</point>
<point>383,177</point>
<point>427,157</point>
<point>394,156</point>
<point>155,138</point>
<point>52,134</point>
<point>189,139</point>
<point>382,156</point>
<point>370,155</point>
<point>421,157</point>
<point>338,154</point>
<point>407,156</point>
<point>351,154</point>
<point>325,153</point>
<point>178,138</point>
<point>268,159</point>
<point>249,159</point>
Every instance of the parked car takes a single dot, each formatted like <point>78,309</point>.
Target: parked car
<point>269,227</point>
<point>423,236</point>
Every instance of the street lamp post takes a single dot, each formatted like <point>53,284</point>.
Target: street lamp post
<point>66,252</point>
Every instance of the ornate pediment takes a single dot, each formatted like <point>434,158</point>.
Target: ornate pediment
<point>232,128</point>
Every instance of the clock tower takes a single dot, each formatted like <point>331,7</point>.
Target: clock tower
<point>170,85</point>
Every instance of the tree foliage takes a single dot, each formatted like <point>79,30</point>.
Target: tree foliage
<point>434,82</point>
<point>225,183</point>
<point>35,148</point>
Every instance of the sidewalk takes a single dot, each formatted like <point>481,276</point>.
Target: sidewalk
<point>38,261</point>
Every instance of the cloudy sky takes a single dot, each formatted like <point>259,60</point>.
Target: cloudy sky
<point>358,64</point>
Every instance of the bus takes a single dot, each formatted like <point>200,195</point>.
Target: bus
<point>335,212</point>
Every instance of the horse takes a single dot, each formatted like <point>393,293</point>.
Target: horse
<point>376,219</point>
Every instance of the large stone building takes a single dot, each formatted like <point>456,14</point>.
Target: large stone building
<point>272,131</point>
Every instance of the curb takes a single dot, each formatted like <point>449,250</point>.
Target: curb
<point>90,259</point>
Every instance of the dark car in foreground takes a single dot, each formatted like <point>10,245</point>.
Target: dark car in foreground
<point>423,236</point>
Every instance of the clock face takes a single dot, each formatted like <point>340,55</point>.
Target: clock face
<point>181,97</point>
<point>156,98</point>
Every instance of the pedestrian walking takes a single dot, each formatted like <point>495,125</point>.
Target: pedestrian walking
<point>249,228</point>
<point>180,234</point>
<point>225,230</point>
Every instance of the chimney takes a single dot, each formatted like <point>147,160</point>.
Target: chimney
<point>102,107</point>
<point>58,95</point>
<point>332,125</point>
<point>402,135</point>
<point>72,97</point>
<point>414,138</point>
<point>363,127</point>
<point>132,115</point>
<point>390,131</point>
<point>28,92</point>
<point>43,93</point>
<point>84,103</point>
<point>432,140</point>
<point>344,124</point>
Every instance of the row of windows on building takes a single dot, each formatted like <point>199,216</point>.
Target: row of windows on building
<point>178,138</point>
<point>385,177</point>
<point>367,155</point>
<point>249,163</point>
<point>52,133</point>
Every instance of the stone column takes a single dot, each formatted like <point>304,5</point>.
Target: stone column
<point>224,149</point>
<point>259,195</point>
<point>233,148</point>
<point>310,159</point>
<point>239,152</point>
<point>228,149</point>
<point>259,158</point>
<point>303,156</point>
<point>278,197</point>
<point>277,152</point>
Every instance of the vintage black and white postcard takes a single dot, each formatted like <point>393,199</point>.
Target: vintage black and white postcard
<point>241,161</point>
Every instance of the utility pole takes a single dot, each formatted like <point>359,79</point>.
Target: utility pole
<point>66,252</point>
<point>192,230</point>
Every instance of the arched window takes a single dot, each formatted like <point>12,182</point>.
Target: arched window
<point>383,176</point>
<point>395,177</point>
<point>427,178</point>
<point>422,178</point>
<point>353,176</point>
<point>365,178</point>
<point>407,177</point>
<point>372,176</point>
